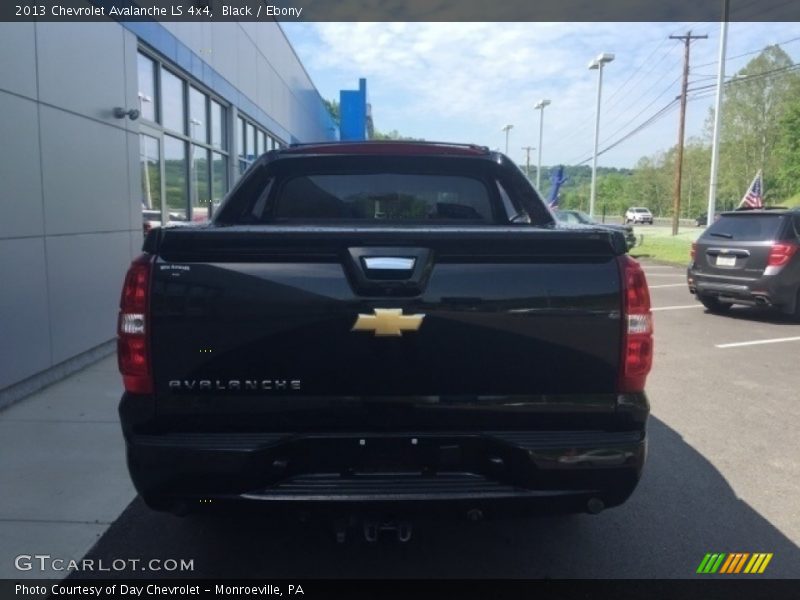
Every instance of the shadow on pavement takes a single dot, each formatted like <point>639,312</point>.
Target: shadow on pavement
<point>746,313</point>
<point>682,509</point>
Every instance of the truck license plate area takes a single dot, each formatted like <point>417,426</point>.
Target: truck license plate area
<point>398,454</point>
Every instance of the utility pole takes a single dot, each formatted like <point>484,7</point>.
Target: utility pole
<point>528,160</point>
<point>676,207</point>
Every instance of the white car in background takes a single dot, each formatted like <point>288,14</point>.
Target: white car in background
<point>638,214</point>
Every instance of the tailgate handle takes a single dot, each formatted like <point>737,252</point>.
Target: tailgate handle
<point>727,251</point>
<point>389,263</point>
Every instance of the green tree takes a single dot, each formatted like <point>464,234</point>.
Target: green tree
<point>787,151</point>
<point>694,184</point>
<point>754,104</point>
<point>611,194</point>
<point>333,109</point>
<point>393,135</point>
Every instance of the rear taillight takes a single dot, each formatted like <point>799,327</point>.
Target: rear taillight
<point>780,254</point>
<point>637,327</point>
<point>133,345</point>
<point>693,251</point>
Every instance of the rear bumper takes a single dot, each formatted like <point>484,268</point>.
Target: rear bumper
<point>499,472</point>
<point>763,291</point>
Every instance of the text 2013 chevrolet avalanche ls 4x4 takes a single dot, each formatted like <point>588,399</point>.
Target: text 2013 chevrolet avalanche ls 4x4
<point>399,325</point>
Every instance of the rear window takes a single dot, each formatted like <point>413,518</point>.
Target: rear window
<point>383,197</point>
<point>745,228</point>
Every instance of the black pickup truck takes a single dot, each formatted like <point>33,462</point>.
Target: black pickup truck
<point>391,325</point>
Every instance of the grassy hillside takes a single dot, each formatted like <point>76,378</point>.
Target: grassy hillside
<point>658,243</point>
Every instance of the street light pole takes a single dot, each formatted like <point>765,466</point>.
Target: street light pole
<point>540,107</point>
<point>597,63</point>
<point>507,128</point>
<point>712,184</point>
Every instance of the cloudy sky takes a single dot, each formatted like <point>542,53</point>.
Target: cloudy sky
<point>462,82</point>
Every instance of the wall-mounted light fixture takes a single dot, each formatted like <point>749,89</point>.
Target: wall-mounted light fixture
<point>121,113</point>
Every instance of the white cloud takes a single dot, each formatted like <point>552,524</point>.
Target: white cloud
<point>463,81</point>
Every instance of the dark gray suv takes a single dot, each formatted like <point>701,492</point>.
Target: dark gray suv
<point>749,257</point>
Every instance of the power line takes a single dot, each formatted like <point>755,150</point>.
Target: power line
<point>653,101</point>
<point>751,52</point>
<point>662,112</point>
<point>647,91</point>
<point>698,94</point>
<point>708,91</point>
<point>608,107</point>
<point>639,68</point>
<point>637,115</point>
<point>735,79</point>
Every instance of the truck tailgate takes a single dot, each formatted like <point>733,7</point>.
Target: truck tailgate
<point>272,312</point>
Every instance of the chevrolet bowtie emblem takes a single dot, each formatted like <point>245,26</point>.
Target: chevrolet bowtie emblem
<point>388,322</point>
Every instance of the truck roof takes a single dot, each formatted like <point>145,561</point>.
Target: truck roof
<point>377,147</point>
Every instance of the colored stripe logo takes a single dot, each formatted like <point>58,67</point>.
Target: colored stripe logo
<point>735,562</point>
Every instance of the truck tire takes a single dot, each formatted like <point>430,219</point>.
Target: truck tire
<point>714,305</point>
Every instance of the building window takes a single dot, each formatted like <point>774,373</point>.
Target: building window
<point>173,102</point>
<point>198,115</point>
<point>201,190</point>
<point>251,142</point>
<point>150,162</point>
<point>219,177</point>
<point>218,125</point>
<point>175,177</point>
<point>183,144</point>
<point>147,87</point>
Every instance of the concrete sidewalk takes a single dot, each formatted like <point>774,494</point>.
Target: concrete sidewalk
<point>62,469</point>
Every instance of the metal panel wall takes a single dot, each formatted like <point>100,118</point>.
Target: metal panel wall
<point>70,195</point>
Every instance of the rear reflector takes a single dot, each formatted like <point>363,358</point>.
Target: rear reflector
<point>640,324</point>
<point>637,323</point>
<point>780,254</point>
<point>133,345</point>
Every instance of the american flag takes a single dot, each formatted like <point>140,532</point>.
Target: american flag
<point>754,198</point>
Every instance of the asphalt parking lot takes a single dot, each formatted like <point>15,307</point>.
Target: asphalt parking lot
<point>723,475</point>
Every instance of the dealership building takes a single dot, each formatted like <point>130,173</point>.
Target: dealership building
<point>109,128</point>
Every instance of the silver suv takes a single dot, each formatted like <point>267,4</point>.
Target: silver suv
<point>639,214</point>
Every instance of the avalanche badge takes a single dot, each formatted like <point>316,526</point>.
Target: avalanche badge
<point>388,322</point>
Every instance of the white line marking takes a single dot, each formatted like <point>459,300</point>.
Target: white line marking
<point>663,285</point>
<point>659,267</point>
<point>677,307</point>
<point>665,274</point>
<point>757,342</point>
